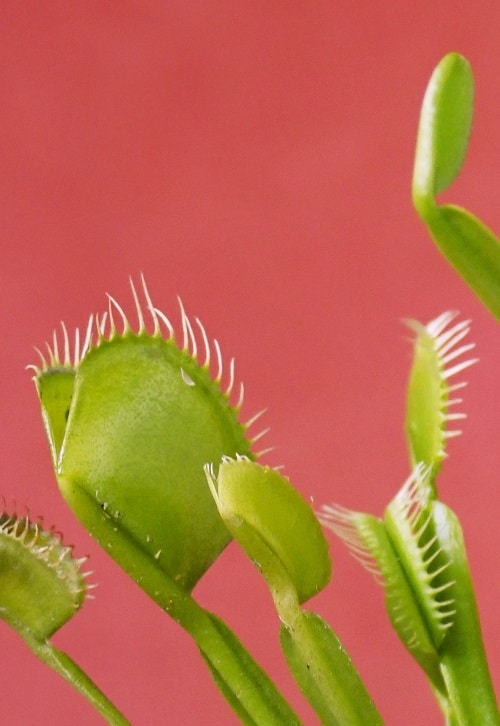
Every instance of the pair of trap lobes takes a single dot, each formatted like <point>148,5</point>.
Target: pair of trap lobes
<point>131,423</point>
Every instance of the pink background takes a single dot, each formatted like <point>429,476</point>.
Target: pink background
<point>254,158</point>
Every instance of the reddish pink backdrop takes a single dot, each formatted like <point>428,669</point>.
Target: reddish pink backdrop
<point>254,158</point>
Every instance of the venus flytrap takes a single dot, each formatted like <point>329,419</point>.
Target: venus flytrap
<point>431,399</point>
<point>368,541</point>
<point>138,423</point>
<point>124,453</point>
<point>417,549</point>
<point>131,419</point>
<point>443,135</point>
<point>41,587</point>
<point>279,532</point>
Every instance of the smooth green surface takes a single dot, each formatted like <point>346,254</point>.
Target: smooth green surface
<point>279,532</point>
<point>72,673</point>
<point>41,586</point>
<point>471,248</point>
<point>246,687</point>
<point>275,526</point>
<point>426,401</point>
<point>136,440</point>
<point>325,673</point>
<point>444,128</point>
<point>402,605</point>
<point>143,419</point>
<point>410,546</point>
<point>274,711</point>
<point>445,121</point>
<point>55,389</point>
<point>463,659</point>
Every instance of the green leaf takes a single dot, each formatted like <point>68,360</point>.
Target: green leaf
<point>369,542</point>
<point>472,249</point>
<point>275,526</point>
<point>408,521</point>
<point>55,388</point>
<point>41,583</point>
<point>267,706</point>
<point>325,673</point>
<point>462,655</point>
<point>445,122</point>
<point>143,417</point>
<point>444,128</point>
<point>130,426</point>
<point>280,533</point>
<point>431,402</point>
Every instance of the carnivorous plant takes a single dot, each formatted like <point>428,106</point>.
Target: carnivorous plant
<point>152,454</point>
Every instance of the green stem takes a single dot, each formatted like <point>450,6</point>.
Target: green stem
<point>70,671</point>
<point>243,683</point>
<point>280,533</point>
<point>246,687</point>
<point>469,246</point>
<point>462,656</point>
<point>326,674</point>
<point>318,660</point>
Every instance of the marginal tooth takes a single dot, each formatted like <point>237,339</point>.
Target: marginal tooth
<point>453,402</point>
<point>455,416</point>
<point>459,367</point>
<point>52,358</point>
<point>150,306</point>
<point>263,452</point>
<point>187,332</point>
<point>445,603</point>
<point>185,339</point>
<point>231,377</point>
<point>206,344</point>
<point>140,316</point>
<point>219,360</point>
<point>42,358</point>
<point>36,370</point>
<point>457,386</point>
<point>101,324</point>
<point>67,357</point>
<point>209,470</point>
<point>254,418</point>
<point>432,575</point>
<point>241,397</point>
<point>453,336</point>
<point>436,326</point>
<point>126,325</point>
<point>260,435</point>
<point>112,323</point>
<point>55,348</point>
<point>434,555</point>
<point>163,318</point>
<point>451,434</point>
<point>88,337</point>
<point>455,353</point>
<point>97,321</point>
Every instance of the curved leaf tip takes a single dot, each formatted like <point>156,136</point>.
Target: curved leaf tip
<point>274,525</point>
<point>444,129</point>
<point>41,583</point>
